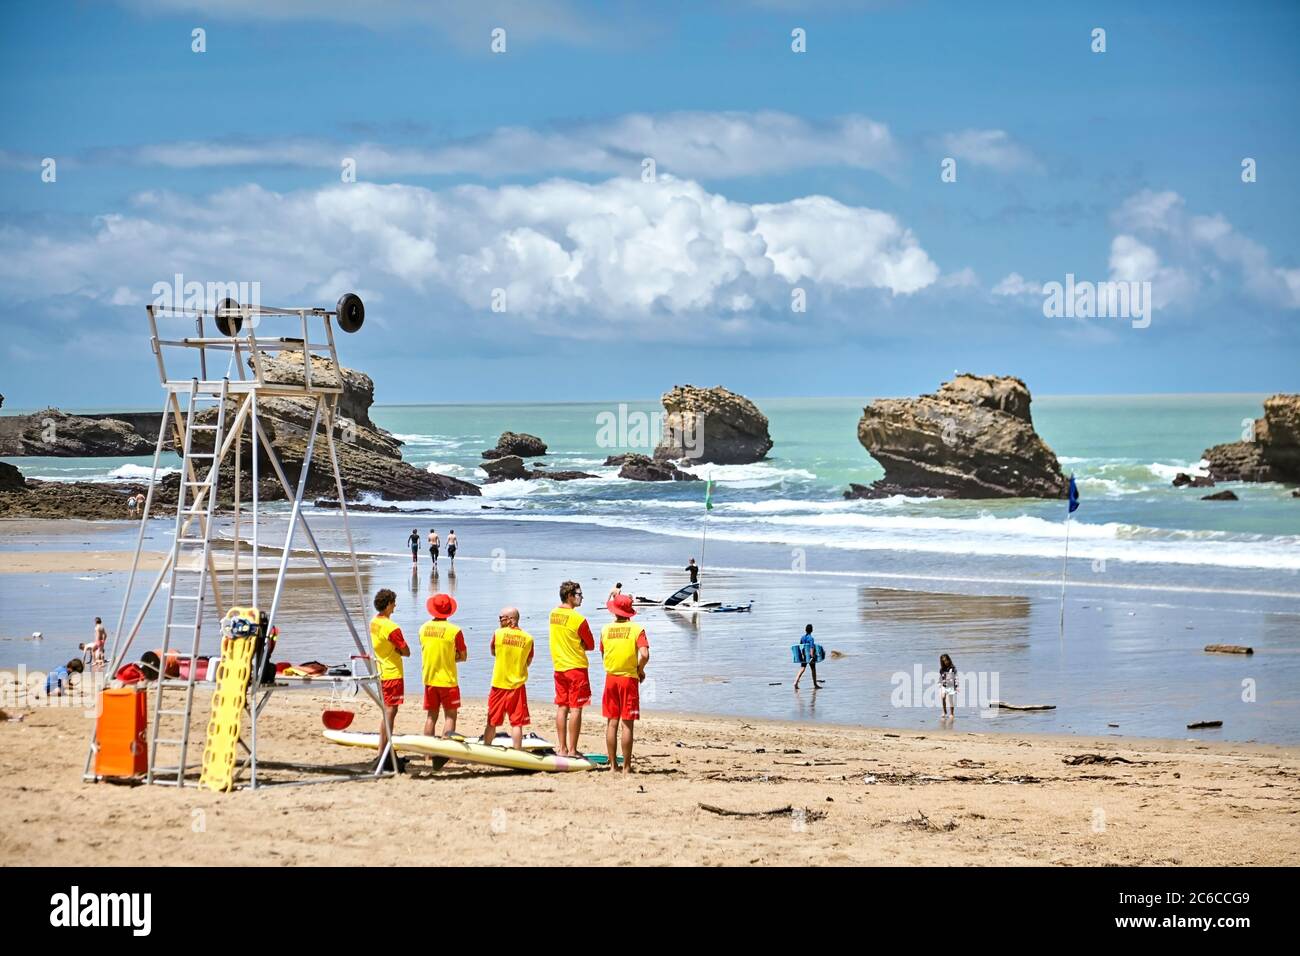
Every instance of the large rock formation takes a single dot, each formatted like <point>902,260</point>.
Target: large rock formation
<point>1274,455</point>
<point>59,435</point>
<point>517,443</point>
<point>11,479</point>
<point>370,459</point>
<point>642,468</point>
<point>712,425</point>
<point>973,438</point>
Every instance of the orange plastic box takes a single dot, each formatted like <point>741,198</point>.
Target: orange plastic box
<point>120,733</point>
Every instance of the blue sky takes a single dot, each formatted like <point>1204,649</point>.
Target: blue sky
<point>776,171</point>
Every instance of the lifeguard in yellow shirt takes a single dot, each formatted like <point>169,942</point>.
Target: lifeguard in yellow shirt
<point>442,647</point>
<point>571,638</point>
<point>513,650</point>
<point>626,648</point>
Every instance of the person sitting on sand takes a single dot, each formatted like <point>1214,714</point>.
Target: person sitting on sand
<point>59,680</point>
<point>513,650</point>
<point>809,654</point>
<point>626,650</point>
<point>390,647</point>
<point>947,685</point>
<point>571,638</point>
<point>442,647</point>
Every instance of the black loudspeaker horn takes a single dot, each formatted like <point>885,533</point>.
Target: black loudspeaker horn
<point>351,312</point>
<point>229,316</point>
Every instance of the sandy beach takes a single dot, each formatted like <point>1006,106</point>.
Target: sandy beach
<point>843,795</point>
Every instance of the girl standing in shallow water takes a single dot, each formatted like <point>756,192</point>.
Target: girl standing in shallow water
<point>947,685</point>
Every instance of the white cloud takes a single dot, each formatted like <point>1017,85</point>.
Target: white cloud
<point>991,148</point>
<point>1197,248</point>
<point>1016,284</point>
<point>618,254</point>
<point>688,144</point>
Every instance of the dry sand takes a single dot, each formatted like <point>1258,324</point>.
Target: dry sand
<point>861,796</point>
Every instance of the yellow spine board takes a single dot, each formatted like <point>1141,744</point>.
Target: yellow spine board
<point>227,713</point>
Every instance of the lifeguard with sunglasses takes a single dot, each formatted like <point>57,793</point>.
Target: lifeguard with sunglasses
<point>571,639</point>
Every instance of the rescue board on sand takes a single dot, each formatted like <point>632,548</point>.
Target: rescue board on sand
<point>467,752</point>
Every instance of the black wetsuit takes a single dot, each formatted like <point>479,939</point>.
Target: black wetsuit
<point>694,570</point>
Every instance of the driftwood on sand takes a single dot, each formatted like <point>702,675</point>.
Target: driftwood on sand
<point>787,810</point>
<point>1003,705</point>
<point>1229,649</point>
<point>1205,724</point>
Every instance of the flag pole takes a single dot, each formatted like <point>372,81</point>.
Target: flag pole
<point>704,540</point>
<point>1072,502</point>
<point>1065,563</point>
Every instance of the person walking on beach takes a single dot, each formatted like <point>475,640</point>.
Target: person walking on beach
<point>508,698</point>
<point>571,638</point>
<point>413,542</point>
<point>132,505</point>
<point>947,686</point>
<point>808,651</point>
<point>389,647</point>
<point>434,545</point>
<point>626,650</point>
<point>452,544</point>
<point>442,647</point>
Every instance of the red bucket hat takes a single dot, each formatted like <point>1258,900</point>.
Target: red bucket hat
<point>621,605</point>
<point>441,605</point>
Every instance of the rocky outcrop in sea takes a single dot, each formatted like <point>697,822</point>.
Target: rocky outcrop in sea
<point>973,438</point>
<point>643,468</point>
<point>517,443</point>
<point>712,425</point>
<point>1272,455</point>
<point>57,434</point>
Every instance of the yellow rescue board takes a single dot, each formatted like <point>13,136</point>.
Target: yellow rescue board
<point>459,750</point>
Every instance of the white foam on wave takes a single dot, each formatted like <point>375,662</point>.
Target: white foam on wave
<point>760,474</point>
<point>440,441</point>
<point>132,472</point>
<point>1021,536</point>
<point>438,468</point>
<point>1167,472</point>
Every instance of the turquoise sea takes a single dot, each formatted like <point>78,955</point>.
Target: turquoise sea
<point>1154,572</point>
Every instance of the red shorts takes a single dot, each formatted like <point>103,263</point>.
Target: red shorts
<point>394,691</point>
<point>508,703</point>
<point>572,688</point>
<point>448,697</point>
<point>622,700</point>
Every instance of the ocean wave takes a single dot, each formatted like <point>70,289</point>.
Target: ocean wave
<point>1023,536</point>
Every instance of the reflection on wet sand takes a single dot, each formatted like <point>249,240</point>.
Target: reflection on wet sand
<point>1002,619</point>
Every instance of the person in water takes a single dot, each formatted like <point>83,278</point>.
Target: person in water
<point>434,544</point>
<point>809,648</point>
<point>947,686</point>
<point>452,545</point>
<point>413,542</point>
<point>614,592</point>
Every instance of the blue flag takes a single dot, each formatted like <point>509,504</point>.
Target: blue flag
<point>1074,495</point>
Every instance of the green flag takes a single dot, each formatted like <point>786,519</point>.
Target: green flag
<point>708,495</point>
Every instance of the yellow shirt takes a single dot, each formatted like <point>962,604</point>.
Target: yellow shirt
<point>386,655</point>
<point>619,641</point>
<point>514,652</point>
<point>567,649</point>
<point>439,642</point>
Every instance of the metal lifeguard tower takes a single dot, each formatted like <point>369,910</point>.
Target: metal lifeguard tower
<point>209,418</point>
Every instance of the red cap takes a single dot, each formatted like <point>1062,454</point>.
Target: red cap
<point>441,605</point>
<point>621,605</point>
